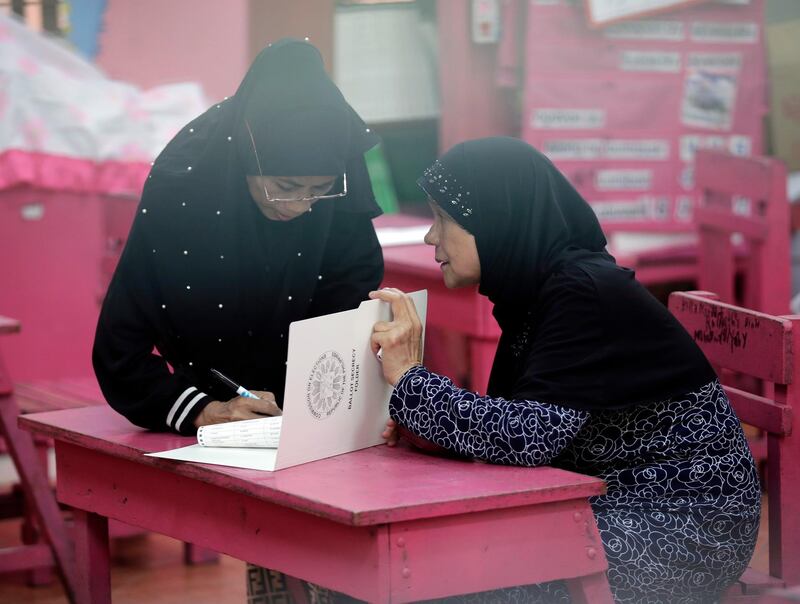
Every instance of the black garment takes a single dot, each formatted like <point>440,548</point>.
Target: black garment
<point>205,277</point>
<point>602,341</point>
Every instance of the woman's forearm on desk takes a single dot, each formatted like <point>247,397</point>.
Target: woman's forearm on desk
<point>512,432</point>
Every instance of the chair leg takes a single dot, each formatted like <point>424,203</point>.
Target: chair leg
<point>36,486</point>
<point>30,532</point>
<point>31,535</point>
<point>590,589</point>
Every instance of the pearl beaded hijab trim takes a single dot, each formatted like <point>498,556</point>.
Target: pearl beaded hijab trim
<point>440,184</point>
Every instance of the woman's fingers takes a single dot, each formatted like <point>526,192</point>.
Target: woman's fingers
<point>265,404</point>
<point>390,433</point>
<point>400,338</point>
<point>397,299</point>
<point>243,407</point>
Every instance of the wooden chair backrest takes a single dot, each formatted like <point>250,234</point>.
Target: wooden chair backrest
<point>744,196</point>
<point>766,347</point>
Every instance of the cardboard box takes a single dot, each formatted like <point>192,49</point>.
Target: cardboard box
<point>783,51</point>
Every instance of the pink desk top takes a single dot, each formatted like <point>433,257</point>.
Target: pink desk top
<point>372,486</point>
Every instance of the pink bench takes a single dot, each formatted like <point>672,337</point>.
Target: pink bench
<point>380,524</point>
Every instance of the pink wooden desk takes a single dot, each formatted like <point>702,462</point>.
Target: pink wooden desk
<point>380,524</point>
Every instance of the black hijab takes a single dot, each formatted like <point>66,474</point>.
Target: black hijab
<point>577,330</point>
<point>218,280</point>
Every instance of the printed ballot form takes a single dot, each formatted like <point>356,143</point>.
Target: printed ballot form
<point>336,398</point>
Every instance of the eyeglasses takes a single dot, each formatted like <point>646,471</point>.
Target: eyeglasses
<point>280,200</point>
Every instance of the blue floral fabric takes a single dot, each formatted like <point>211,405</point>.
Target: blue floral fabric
<point>681,513</point>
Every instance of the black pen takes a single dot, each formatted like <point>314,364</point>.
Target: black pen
<point>240,390</point>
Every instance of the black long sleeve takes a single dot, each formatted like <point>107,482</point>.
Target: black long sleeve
<point>352,265</point>
<point>137,382</point>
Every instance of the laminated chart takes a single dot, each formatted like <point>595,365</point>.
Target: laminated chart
<point>621,110</point>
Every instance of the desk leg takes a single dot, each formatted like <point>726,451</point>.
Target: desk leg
<point>481,352</point>
<point>91,550</point>
<point>591,589</point>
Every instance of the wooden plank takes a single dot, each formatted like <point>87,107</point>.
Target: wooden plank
<point>749,177</point>
<point>742,340</point>
<point>25,557</point>
<point>564,543</point>
<point>363,488</point>
<point>761,412</point>
<point>720,220</point>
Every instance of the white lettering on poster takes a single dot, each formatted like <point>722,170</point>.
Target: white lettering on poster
<point>584,149</point>
<point>650,149</point>
<point>640,60</point>
<point>577,149</point>
<point>568,119</point>
<point>736,144</point>
<point>715,61</point>
<point>738,33</point>
<point>623,180</point>
<point>690,143</point>
<point>683,208</point>
<point>672,31</point>
<point>632,210</point>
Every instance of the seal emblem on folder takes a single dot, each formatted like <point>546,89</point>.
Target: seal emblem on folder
<point>326,385</point>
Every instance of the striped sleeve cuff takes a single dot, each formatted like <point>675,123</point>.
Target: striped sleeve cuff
<point>185,409</point>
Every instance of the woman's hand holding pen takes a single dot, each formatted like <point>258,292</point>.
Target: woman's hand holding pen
<point>238,408</point>
<point>400,340</point>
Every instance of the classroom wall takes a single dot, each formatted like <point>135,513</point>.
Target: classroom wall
<point>152,42</point>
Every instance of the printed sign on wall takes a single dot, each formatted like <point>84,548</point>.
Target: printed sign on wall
<point>603,12</point>
<point>622,110</point>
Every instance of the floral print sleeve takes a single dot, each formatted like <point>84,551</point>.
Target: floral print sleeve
<point>511,432</point>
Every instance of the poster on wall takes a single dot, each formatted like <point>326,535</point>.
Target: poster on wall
<point>621,111</point>
<point>604,12</point>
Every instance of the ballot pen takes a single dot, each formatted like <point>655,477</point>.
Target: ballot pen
<point>240,390</point>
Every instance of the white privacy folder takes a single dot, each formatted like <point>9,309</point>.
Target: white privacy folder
<point>336,397</point>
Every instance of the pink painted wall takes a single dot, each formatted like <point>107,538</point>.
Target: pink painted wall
<point>473,105</point>
<point>152,42</point>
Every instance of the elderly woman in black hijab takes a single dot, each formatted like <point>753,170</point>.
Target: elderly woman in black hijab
<point>592,374</point>
<point>258,213</point>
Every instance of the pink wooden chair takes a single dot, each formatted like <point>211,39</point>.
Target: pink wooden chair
<point>56,549</point>
<point>743,228</point>
<point>766,347</point>
<point>745,198</point>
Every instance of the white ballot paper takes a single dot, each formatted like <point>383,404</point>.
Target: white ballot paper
<point>263,432</point>
<point>336,398</point>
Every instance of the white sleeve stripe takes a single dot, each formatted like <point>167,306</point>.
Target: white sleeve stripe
<point>178,403</point>
<point>188,408</point>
